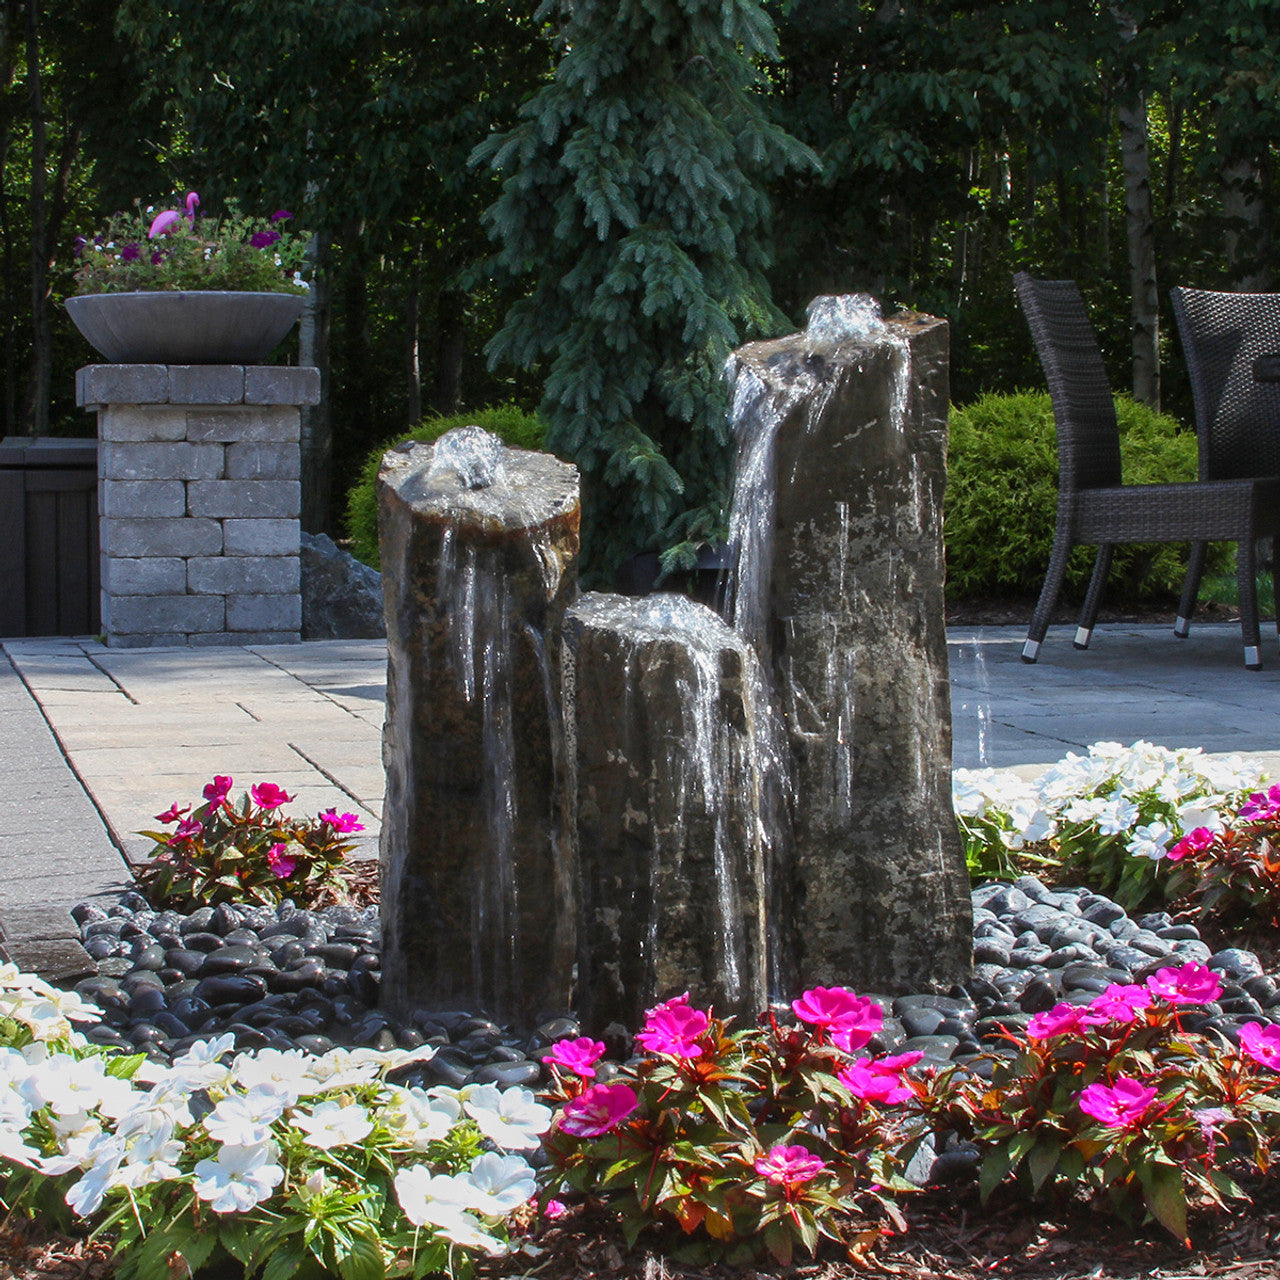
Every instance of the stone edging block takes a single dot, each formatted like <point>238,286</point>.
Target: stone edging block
<point>102,384</point>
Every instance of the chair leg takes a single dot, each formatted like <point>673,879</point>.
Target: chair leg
<point>1093,597</point>
<point>1049,592</point>
<point>1247,586</point>
<point>1190,589</point>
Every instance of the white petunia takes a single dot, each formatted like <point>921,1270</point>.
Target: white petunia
<point>238,1177</point>
<point>512,1118</point>
<point>333,1125</point>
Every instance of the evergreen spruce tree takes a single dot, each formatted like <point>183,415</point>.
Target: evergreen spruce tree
<point>633,205</point>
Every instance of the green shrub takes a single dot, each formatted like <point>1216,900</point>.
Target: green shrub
<point>1002,499</point>
<point>513,426</point>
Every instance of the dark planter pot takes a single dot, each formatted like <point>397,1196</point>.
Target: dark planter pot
<point>165,327</point>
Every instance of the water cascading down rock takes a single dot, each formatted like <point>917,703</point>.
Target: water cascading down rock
<point>838,581</point>
<point>671,753</point>
<point>478,545</point>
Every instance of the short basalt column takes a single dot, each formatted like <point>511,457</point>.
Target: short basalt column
<point>670,746</point>
<point>840,581</point>
<point>478,547</point>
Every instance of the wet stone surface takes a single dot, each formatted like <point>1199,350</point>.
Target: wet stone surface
<point>287,978</point>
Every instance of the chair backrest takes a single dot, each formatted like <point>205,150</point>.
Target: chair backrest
<point>1085,414</point>
<point>1237,417</point>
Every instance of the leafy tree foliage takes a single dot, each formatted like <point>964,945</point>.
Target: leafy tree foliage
<point>632,205</point>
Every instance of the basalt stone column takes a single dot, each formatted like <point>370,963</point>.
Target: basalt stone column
<point>478,565</point>
<point>198,501</point>
<point>853,624</point>
<point>663,704</point>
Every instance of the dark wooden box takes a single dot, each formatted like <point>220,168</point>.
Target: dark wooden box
<point>48,537</point>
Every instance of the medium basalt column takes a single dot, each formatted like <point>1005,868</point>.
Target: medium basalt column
<point>663,707</point>
<point>478,547</point>
<point>846,564</point>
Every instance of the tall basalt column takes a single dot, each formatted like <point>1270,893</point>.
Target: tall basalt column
<point>478,547</point>
<point>851,422</point>
<point>664,704</point>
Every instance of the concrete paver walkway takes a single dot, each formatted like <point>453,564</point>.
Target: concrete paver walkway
<point>95,741</point>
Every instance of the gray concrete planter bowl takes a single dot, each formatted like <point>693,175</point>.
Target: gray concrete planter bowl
<point>200,327</point>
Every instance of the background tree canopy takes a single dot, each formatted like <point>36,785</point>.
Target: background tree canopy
<point>606,197</point>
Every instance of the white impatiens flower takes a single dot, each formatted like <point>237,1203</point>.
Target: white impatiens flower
<point>1150,841</point>
<point>419,1118</point>
<point>13,1146</point>
<point>331,1125</point>
<point>151,1150</point>
<point>512,1119</point>
<point>967,795</point>
<point>201,1067</point>
<point>103,1157</point>
<point>440,1201</point>
<point>68,1085</point>
<point>1117,816</point>
<point>1204,812</point>
<point>1084,809</point>
<point>283,1070</point>
<point>498,1184</point>
<point>238,1177</point>
<point>244,1120</point>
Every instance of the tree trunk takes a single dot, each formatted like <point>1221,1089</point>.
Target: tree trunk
<point>1244,205</point>
<point>317,419</point>
<point>1140,228</point>
<point>9,407</point>
<point>412,350</point>
<point>451,344</point>
<point>36,414</point>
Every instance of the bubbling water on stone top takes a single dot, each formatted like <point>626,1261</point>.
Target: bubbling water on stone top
<point>842,318</point>
<point>472,454</point>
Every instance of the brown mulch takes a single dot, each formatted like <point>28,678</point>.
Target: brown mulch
<point>949,1237</point>
<point>28,1252</point>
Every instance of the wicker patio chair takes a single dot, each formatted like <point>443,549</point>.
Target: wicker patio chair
<point>1094,507</point>
<point>1225,337</point>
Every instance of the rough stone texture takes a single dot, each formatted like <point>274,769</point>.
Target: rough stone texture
<point>476,910</point>
<point>859,656</point>
<point>99,385</point>
<point>341,598</point>
<point>198,463</point>
<point>671,857</point>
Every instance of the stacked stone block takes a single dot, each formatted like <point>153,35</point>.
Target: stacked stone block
<point>199,495</point>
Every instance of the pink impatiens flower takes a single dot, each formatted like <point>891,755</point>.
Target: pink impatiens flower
<point>1262,805</point>
<point>1119,1003</point>
<point>216,792</point>
<point>342,823</point>
<point>281,864</point>
<point>173,813</point>
<point>674,1028</point>
<point>880,1080</point>
<point>851,1020</point>
<point>789,1166</point>
<point>187,829</point>
<point>579,1056</point>
<point>1062,1020</point>
<point>1119,1107</point>
<point>1190,983</point>
<point>1261,1043</point>
<point>1200,838</point>
<point>597,1110</point>
<point>266,795</point>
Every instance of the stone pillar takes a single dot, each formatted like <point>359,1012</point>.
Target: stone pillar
<point>198,501</point>
<point>669,734</point>
<point>854,624</point>
<point>477,887</point>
